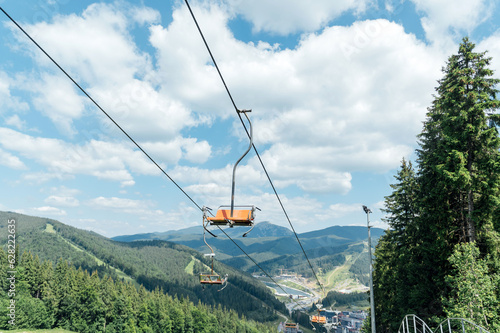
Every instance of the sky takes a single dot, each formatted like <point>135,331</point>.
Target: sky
<point>338,92</point>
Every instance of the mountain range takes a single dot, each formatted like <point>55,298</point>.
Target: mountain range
<point>273,247</point>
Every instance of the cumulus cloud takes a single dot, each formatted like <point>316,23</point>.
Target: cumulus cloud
<point>145,209</point>
<point>188,148</point>
<point>353,96</point>
<point>104,160</point>
<point>15,121</point>
<point>444,21</point>
<point>62,201</point>
<point>7,100</point>
<point>290,16</point>
<point>11,161</point>
<point>145,15</point>
<point>492,45</point>
<point>123,81</point>
<point>118,203</point>
<point>57,98</point>
<point>81,44</point>
<point>48,211</point>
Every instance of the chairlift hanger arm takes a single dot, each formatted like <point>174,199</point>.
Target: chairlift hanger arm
<point>242,156</point>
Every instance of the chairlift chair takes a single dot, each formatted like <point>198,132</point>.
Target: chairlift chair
<point>228,215</point>
<point>211,278</point>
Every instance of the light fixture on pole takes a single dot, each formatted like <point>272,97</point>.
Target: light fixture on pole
<point>372,301</point>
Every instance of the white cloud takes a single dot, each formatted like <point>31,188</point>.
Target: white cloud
<point>146,114</point>
<point>183,62</point>
<point>44,177</point>
<point>123,81</point>
<point>7,100</point>
<point>104,160</point>
<point>15,121</point>
<point>290,16</point>
<point>196,152</point>
<point>173,151</point>
<point>444,21</point>
<point>64,191</point>
<point>57,98</point>
<point>340,209</point>
<point>145,15</point>
<point>119,203</point>
<point>492,45</point>
<point>62,201</point>
<point>81,45</point>
<point>11,161</point>
<point>49,211</point>
<point>144,209</point>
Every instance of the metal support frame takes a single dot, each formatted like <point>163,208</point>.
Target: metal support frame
<point>413,324</point>
<point>372,300</point>
<point>242,156</point>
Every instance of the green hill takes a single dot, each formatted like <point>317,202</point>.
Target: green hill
<point>172,267</point>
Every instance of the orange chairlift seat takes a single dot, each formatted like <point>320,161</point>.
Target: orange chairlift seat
<point>319,319</point>
<point>241,217</point>
<point>228,215</point>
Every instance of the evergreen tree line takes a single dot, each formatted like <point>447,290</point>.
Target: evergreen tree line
<point>441,256</point>
<point>150,263</point>
<point>61,296</point>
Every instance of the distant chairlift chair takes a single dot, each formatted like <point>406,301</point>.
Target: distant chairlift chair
<point>211,278</point>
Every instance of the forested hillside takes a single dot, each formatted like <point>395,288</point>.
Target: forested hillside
<point>172,267</point>
<point>441,257</point>
<point>48,295</point>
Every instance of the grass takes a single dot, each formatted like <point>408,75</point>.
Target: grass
<point>50,228</point>
<point>190,267</point>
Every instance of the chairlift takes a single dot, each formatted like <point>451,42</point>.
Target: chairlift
<point>227,215</point>
<point>319,319</point>
<point>211,278</point>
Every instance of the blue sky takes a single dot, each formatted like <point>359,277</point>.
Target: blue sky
<point>338,89</point>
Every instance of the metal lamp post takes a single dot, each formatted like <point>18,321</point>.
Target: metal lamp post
<point>372,301</point>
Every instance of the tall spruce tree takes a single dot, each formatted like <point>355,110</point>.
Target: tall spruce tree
<point>459,150</point>
<point>459,170</point>
<point>393,267</point>
<point>457,191</point>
